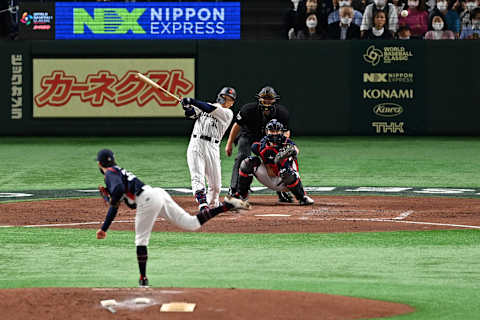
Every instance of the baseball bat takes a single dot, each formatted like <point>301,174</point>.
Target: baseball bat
<point>149,81</point>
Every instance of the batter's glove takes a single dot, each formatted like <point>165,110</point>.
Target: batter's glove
<point>186,103</point>
<point>286,152</point>
<point>104,193</point>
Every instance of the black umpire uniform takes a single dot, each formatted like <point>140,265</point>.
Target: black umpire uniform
<point>252,119</point>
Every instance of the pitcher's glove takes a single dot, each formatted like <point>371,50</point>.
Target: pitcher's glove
<point>286,152</point>
<point>104,193</point>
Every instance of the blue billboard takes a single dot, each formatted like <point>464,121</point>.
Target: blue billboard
<point>147,20</point>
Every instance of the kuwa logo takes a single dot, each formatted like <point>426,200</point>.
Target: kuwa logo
<point>58,88</point>
<point>107,21</point>
<point>388,109</point>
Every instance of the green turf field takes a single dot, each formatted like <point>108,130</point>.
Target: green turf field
<point>66,163</point>
<point>437,272</point>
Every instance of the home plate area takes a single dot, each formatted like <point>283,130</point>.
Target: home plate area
<point>187,303</point>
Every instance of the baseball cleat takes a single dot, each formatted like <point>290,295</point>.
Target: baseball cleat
<point>284,197</point>
<point>306,201</point>
<point>237,203</point>
<point>143,283</point>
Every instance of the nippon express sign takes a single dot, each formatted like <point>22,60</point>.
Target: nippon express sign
<point>147,20</point>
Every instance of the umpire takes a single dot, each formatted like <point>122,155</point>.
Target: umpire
<point>249,127</point>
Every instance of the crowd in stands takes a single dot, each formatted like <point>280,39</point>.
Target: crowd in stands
<point>344,19</point>
<point>382,19</point>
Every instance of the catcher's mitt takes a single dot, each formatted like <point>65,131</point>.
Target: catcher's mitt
<point>104,193</point>
<point>286,152</point>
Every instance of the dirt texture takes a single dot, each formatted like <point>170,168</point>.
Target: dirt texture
<point>328,214</point>
<point>212,304</point>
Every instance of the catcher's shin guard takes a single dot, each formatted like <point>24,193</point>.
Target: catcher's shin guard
<point>245,175</point>
<point>291,179</point>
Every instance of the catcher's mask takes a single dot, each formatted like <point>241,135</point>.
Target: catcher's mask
<point>274,130</point>
<point>267,98</point>
<point>106,158</point>
<point>227,91</point>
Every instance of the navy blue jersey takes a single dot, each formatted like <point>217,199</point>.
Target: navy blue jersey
<point>267,151</point>
<point>121,182</point>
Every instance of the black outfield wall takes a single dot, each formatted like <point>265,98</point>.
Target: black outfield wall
<point>330,87</point>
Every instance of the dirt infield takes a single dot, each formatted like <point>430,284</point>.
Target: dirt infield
<point>212,304</point>
<point>329,214</point>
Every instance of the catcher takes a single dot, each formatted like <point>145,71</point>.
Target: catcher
<point>275,165</point>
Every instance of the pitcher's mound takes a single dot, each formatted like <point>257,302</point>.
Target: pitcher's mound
<point>85,303</point>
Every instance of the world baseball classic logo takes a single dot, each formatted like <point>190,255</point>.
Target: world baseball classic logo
<point>373,55</point>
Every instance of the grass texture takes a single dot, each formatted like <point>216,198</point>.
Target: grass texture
<point>436,272</point>
<point>67,163</point>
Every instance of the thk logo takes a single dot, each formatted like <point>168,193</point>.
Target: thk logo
<point>107,20</point>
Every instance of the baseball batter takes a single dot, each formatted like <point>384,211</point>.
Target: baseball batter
<point>203,154</point>
<point>274,165</point>
<point>150,203</point>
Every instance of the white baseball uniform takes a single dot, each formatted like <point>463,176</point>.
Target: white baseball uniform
<point>153,202</point>
<point>203,153</point>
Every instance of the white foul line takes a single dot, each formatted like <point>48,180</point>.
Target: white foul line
<point>413,222</point>
<point>403,215</point>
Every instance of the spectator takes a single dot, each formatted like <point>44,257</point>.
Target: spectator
<point>399,5</point>
<point>438,29</point>
<point>313,30</point>
<point>344,29</point>
<point>451,17</point>
<point>380,5</point>
<point>334,16</point>
<point>472,31</point>
<point>305,7</point>
<point>359,5</point>
<point>290,20</point>
<point>404,32</point>
<point>378,31</point>
<point>465,16</point>
<point>416,19</point>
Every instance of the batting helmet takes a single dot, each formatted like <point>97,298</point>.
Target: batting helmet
<point>106,158</point>
<point>267,97</point>
<point>226,91</point>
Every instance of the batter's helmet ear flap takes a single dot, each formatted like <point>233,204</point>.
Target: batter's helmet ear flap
<point>226,91</point>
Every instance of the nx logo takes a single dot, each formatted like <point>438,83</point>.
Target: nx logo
<point>373,55</point>
<point>388,127</point>
<point>107,20</point>
<point>375,77</point>
<point>388,109</point>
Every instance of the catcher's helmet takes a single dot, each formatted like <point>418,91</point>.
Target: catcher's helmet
<point>267,97</point>
<point>106,158</point>
<point>226,91</point>
<point>275,125</point>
